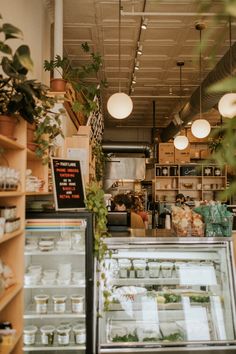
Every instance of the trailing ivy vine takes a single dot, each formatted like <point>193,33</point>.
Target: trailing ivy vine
<point>96,204</point>
<point>101,159</point>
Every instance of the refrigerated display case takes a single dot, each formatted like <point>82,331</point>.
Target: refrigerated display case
<point>168,295</point>
<point>58,283</point>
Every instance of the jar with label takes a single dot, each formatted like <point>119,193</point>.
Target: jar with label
<point>166,268</point>
<point>12,225</point>
<point>77,303</point>
<point>63,335</point>
<point>29,335</point>
<point>79,334</point>
<point>139,268</point>
<point>41,303</point>
<point>8,212</point>
<point>154,269</point>
<point>59,303</point>
<point>47,334</point>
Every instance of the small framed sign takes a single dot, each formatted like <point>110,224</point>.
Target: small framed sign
<point>68,186</point>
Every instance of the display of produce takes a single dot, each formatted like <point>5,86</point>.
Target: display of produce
<point>166,293</point>
<point>58,262</point>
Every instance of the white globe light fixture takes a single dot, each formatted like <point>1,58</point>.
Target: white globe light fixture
<point>200,128</point>
<point>180,142</point>
<point>119,105</point>
<point>227,105</point>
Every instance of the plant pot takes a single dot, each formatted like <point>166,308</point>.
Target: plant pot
<point>58,85</point>
<point>7,126</point>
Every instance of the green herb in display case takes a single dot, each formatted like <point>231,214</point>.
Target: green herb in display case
<point>173,337</point>
<point>130,337</point>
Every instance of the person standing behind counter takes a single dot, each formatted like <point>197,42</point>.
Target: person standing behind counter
<point>122,202</point>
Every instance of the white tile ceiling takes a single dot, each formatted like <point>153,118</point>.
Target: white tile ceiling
<point>169,37</point>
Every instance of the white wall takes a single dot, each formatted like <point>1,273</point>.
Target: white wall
<point>32,18</point>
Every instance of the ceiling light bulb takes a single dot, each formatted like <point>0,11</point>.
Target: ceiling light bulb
<point>227,105</point>
<point>144,24</point>
<point>136,66</point>
<point>180,142</point>
<point>119,105</point>
<point>140,49</point>
<point>200,128</point>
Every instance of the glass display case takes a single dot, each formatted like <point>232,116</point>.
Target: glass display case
<point>58,283</point>
<point>168,295</point>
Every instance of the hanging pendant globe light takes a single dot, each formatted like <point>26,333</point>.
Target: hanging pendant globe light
<point>119,105</point>
<point>201,127</point>
<point>180,142</point>
<point>227,103</point>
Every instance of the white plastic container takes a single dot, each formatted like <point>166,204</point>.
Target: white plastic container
<point>31,279</point>
<point>166,269</point>
<point>79,334</point>
<point>47,334</point>
<point>59,303</point>
<point>77,303</point>
<point>63,335</point>
<point>50,274</point>
<point>154,269</point>
<point>124,267</point>
<point>41,303</point>
<point>29,335</point>
<point>139,268</point>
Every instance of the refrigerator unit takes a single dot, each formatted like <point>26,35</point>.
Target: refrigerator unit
<point>168,295</point>
<point>58,283</point>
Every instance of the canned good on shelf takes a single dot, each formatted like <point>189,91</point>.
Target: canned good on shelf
<point>41,303</point>
<point>29,335</point>
<point>59,303</point>
<point>77,303</point>
<point>47,334</point>
<point>79,334</point>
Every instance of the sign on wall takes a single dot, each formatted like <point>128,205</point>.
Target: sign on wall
<point>68,184</point>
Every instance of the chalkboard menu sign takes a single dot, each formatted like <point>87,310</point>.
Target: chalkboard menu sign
<point>67,184</point>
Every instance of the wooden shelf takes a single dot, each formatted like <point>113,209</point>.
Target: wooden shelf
<point>11,235</point>
<point>37,193</point>
<point>8,295</point>
<point>11,194</point>
<point>10,144</point>
<point>7,349</point>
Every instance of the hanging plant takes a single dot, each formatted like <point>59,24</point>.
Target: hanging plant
<point>95,203</point>
<point>101,158</point>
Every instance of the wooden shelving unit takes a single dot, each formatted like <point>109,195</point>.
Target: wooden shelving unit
<point>12,244</point>
<point>197,181</point>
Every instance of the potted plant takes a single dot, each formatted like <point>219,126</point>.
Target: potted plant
<point>63,67</point>
<point>19,96</point>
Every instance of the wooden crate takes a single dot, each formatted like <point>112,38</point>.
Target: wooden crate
<point>166,153</point>
<point>182,156</point>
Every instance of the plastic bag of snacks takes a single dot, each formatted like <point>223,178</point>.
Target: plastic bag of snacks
<point>186,223</point>
<point>218,220</point>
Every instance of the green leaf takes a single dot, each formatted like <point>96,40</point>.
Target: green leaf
<point>23,55</point>
<point>11,31</point>
<point>4,48</point>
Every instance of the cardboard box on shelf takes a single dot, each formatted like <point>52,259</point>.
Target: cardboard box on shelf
<point>166,153</point>
<point>205,154</point>
<point>182,156</point>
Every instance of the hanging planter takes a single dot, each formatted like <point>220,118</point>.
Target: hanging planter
<point>8,125</point>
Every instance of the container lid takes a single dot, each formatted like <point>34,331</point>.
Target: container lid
<point>47,329</point>
<point>30,329</point>
<point>46,243</point>
<point>59,297</point>
<point>41,297</point>
<point>76,297</point>
<point>78,328</point>
<point>63,329</point>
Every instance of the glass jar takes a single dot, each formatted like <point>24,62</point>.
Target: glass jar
<point>63,335</point>
<point>12,225</point>
<point>31,279</point>
<point>8,212</point>
<point>77,303</point>
<point>139,268</point>
<point>47,334</point>
<point>166,269</point>
<point>124,267</point>
<point>154,269</point>
<point>29,335</point>
<point>41,303</point>
<point>79,334</point>
<point>59,303</point>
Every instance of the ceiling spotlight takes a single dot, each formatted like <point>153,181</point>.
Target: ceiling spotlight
<point>136,67</point>
<point>140,49</point>
<point>134,80</point>
<point>144,24</point>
